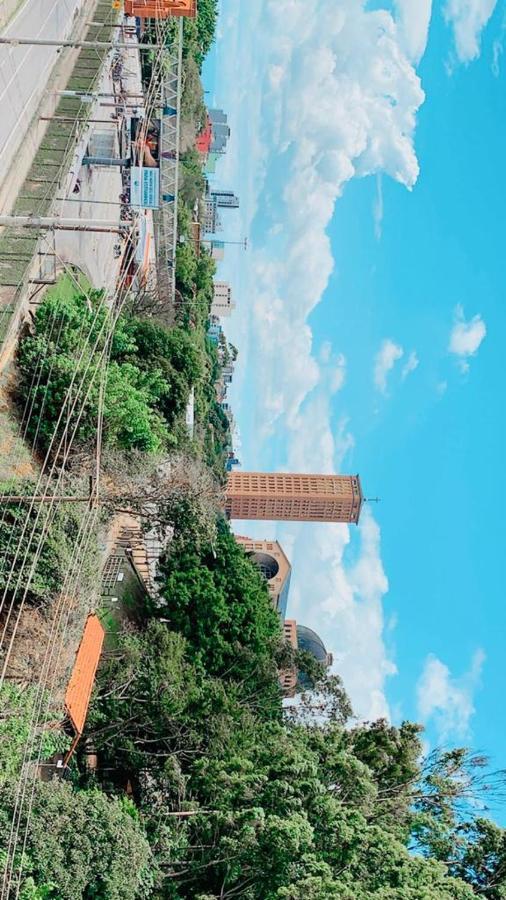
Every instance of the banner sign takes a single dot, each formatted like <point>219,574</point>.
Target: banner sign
<point>144,187</point>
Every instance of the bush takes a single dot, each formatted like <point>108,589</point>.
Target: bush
<point>149,371</point>
<point>82,845</point>
<point>37,546</point>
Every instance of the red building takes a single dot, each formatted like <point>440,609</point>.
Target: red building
<point>204,140</point>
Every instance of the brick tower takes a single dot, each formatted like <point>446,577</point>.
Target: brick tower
<point>295,498</point>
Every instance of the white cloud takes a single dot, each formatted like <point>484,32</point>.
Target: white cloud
<point>345,107</point>
<point>448,702</point>
<point>468,18</point>
<point>498,47</point>
<point>466,337</point>
<point>384,362</point>
<point>325,351</point>
<point>414,19</point>
<point>345,605</point>
<point>337,98</point>
<point>338,375</point>
<point>410,365</point>
<point>497,52</point>
<point>315,444</point>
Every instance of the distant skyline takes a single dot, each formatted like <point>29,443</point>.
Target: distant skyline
<point>367,147</point>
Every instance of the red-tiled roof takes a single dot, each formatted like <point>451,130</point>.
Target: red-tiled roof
<point>80,686</point>
<point>204,140</point>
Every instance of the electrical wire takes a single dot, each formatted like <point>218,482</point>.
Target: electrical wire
<point>67,450</point>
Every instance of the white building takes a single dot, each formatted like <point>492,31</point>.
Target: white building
<point>222,304</point>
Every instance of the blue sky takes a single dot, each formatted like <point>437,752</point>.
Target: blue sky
<point>368,147</point>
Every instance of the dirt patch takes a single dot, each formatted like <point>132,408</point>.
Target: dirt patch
<point>16,460</point>
<point>37,631</point>
<point>187,136</point>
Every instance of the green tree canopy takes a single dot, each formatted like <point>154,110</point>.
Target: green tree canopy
<point>146,371</point>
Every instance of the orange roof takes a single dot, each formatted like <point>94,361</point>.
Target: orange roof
<point>160,9</point>
<point>80,686</point>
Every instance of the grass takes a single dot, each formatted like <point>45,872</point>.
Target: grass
<point>65,286</point>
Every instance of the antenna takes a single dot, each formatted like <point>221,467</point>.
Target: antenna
<point>372,499</point>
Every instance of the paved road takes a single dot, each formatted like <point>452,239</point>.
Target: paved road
<point>24,71</point>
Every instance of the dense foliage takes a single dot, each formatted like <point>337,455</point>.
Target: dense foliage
<point>220,603</point>
<point>194,280</point>
<point>230,796</point>
<point>240,800</point>
<point>37,547</point>
<point>76,843</point>
<point>199,32</point>
<point>72,354</point>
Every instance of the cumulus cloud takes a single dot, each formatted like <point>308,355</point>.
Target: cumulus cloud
<point>346,605</point>
<point>468,18</point>
<point>345,107</point>
<point>414,17</point>
<point>410,365</point>
<point>337,98</point>
<point>448,702</point>
<point>466,337</point>
<point>389,353</point>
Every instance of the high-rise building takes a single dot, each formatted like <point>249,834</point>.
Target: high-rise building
<point>220,130</point>
<point>274,565</point>
<point>211,223</point>
<point>293,497</point>
<point>222,304</point>
<point>226,199</point>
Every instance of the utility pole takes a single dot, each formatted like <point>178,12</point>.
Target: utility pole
<point>50,222</point>
<point>105,161</point>
<point>82,45</point>
<point>86,94</point>
<point>72,119</point>
<point>243,243</point>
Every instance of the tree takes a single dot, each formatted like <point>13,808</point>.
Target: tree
<point>147,372</point>
<point>478,856</point>
<point>177,496</point>
<point>193,180</point>
<point>37,544</point>
<point>18,707</point>
<point>81,844</point>
<point>219,601</point>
